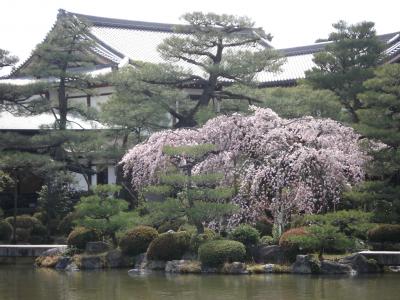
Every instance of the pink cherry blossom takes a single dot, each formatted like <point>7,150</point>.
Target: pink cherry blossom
<point>280,167</point>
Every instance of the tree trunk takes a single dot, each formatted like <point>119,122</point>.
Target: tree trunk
<point>62,105</point>
<point>114,239</point>
<point>353,116</point>
<point>200,228</point>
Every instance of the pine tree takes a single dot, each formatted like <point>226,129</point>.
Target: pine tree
<point>102,212</point>
<point>60,64</point>
<point>379,121</point>
<point>210,53</point>
<point>346,63</point>
<point>194,197</point>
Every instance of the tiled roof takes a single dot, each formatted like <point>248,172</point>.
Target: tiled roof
<point>139,40</point>
<point>118,39</point>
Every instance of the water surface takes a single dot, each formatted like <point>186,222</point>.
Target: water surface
<point>25,282</point>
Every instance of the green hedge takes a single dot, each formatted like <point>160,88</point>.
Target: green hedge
<point>80,236</point>
<point>245,234</point>
<point>385,233</point>
<point>24,221</point>
<point>5,231</point>
<point>169,246</point>
<point>215,253</point>
<point>137,240</point>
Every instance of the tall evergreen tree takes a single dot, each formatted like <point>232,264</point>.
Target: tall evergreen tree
<point>210,53</point>
<point>380,121</point>
<point>346,63</point>
<point>60,66</point>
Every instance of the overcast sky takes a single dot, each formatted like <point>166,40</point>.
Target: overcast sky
<point>24,23</point>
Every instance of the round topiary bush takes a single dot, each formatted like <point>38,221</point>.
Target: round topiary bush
<point>198,239</point>
<point>285,240</point>
<point>41,216</point>
<point>169,246</point>
<point>245,234</point>
<point>24,221</point>
<point>384,233</point>
<point>80,236</point>
<point>267,240</point>
<point>5,231</point>
<point>215,253</point>
<point>137,240</point>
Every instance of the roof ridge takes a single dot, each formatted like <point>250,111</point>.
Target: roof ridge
<point>316,47</point>
<point>124,23</point>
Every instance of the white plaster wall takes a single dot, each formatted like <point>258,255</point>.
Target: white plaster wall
<point>79,182</point>
<point>112,176</point>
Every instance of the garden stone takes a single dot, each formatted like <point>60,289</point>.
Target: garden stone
<point>91,262</point>
<point>269,268</point>
<point>135,272</point>
<point>234,268</point>
<point>269,254</point>
<point>97,247</point>
<point>183,266</point>
<point>306,264</point>
<point>361,264</point>
<point>331,267</point>
<point>140,261</point>
<point>72,267</point>
<point>114,259</point>
<point>63,262</point>
<point>394,269</point>
<point>54,252</point>
<point>155,265</point>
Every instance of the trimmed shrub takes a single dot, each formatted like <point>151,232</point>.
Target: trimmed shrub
<point>38,234</point>
<point>169,246</point>
<point>41,216</point>
<point>292,243</point>
<point>324,238</point>
<point>198,239</point>
<point>385,233</point>
<point>137,240</point>
<point>67,223</point>
<point>5,231</point>
<point>245,234</point>
<point>22,235</point>
<point>80,236</point>
<point>353,223</point>
<point>24,221</point>
<point>216,253</point>
<point>285,240</point>
<point>267,240</point>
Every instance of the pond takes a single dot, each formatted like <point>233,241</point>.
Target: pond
<point>20,282</point>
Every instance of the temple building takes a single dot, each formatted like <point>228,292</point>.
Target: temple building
<point>119,42</point>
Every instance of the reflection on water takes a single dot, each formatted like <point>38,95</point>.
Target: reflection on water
<point>24,282</point>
